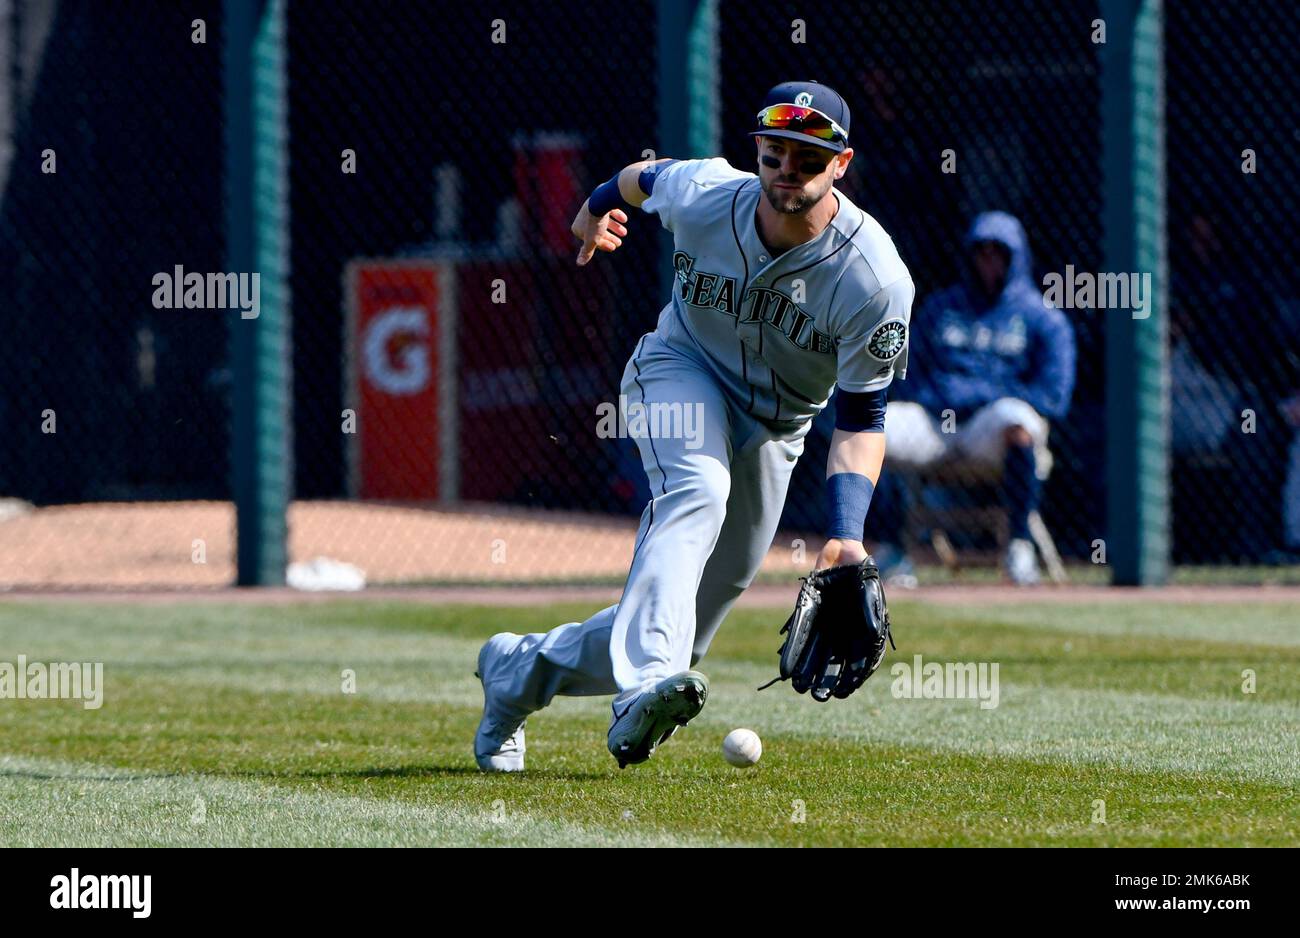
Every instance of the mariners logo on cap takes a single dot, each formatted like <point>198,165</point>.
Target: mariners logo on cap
<point>887,342</point>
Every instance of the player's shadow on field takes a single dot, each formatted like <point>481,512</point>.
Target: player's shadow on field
<point>49,776</point>
<point>430,772</point>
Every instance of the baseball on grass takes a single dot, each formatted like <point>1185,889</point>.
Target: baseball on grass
<point>742,748</point>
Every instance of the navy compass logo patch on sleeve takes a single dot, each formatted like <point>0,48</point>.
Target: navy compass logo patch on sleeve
<point>887,342</point>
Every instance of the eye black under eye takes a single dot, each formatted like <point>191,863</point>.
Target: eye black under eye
<point>809,168</point>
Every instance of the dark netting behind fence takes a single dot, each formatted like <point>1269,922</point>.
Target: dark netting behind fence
<point>111,173</point>
<point>448,357</point>
<point>1235,292</point>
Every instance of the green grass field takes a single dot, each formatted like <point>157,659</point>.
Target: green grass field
<point>227,725</point>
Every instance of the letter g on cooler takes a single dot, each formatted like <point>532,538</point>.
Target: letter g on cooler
<point>395,350</point>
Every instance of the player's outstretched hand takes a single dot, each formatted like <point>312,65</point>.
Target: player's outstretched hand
<point>606,232</point>
<point>838,552</point>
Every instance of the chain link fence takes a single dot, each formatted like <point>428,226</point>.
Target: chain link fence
<point>448,358</point>
<point>110,173</point>
<point>1235,293</point>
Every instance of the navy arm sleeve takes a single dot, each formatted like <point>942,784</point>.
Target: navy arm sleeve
<point>648,175</point>
<point>858,411</point>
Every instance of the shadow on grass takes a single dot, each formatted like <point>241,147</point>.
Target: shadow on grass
<point>418,772</point>
<point>84,777</point>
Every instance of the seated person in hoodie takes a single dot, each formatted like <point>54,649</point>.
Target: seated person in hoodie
<point>992,363</point>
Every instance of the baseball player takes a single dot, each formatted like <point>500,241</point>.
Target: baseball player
<point>784,290</point>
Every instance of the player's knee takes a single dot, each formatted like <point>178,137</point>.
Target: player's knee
<point>704,497</point>
<point>716,484</point>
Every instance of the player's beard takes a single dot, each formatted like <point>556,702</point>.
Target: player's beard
<point>791,203</point>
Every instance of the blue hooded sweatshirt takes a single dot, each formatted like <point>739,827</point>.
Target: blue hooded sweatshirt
<point>968,351</point>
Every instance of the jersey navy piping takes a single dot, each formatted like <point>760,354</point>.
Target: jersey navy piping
<point>825,257</point>
<point>663,476</point>
<point>744,368</point>
<point>872,268</point>
<point>789,391</point>
<point>786,387</point>
<point>772,375</point>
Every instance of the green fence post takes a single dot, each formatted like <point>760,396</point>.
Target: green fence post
<point>703,82</point>
<point>1137,373</point>
<point>261,443</point>
<point>689,110</point>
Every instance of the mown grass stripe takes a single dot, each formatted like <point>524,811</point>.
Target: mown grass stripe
<point>1155,725</point>
<point>50,802</point>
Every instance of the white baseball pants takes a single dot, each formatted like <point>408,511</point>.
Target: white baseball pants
<point>916,438</point>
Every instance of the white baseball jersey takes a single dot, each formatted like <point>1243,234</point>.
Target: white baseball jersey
<point>780,332</point>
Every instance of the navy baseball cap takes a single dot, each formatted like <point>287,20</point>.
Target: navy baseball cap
<point>807,111</point>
